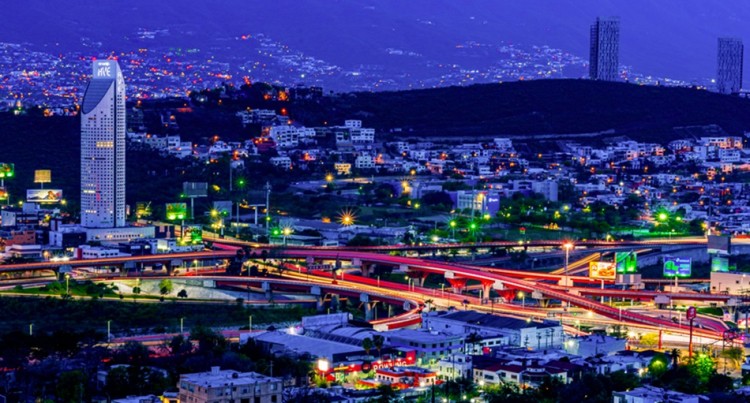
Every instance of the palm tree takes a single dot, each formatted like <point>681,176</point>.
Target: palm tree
<point>675,357</point>
<point>367,345</point>
<point>378,341</point>
<point>735,355</point>
<point>428,303</point>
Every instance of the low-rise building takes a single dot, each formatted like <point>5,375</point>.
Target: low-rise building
<point>228,386</point>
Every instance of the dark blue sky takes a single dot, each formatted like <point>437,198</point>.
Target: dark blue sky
<point>674,38</point>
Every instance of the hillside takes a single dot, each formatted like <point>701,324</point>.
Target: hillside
<point>536,107</point>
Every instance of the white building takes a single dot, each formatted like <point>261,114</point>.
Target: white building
<point>282,162</point>
<point>651,394</point>
<point>228,386</point>
<point>103,148</point>
<point>364,162</point>
<point>515,332</point>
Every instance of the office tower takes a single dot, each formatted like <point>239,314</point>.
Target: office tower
<point>103,148</point>
<point>729,65</point>
<point>604,55</point>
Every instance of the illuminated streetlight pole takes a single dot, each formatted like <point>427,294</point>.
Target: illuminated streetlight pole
<point>522,295</point>
<point>67,284</point>
<point>567,247</point>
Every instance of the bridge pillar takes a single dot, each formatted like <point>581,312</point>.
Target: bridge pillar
<point>335,302</point>
<point>507,294</point>
<point>367,269</point>
<point>418,275</point>
<point>458,284</point>
<point>319,302</point>
<point>370,310</point>
<point>268,290</point>
<point>487,290</point>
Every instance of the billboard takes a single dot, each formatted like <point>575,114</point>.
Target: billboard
<point>719,264</point>
<point>42,176</point>
<point>626,262</point>
<point>223,207</point>
<point>195,189</point>
<point>7,170</point>
<point>43,195</point>
<point>143,209</point>
<point>605,270</point>
<point>719,244</point>
<point>191,235</point>
<point>678,267</point>
<point>3,193</point>
<point>176,211</point>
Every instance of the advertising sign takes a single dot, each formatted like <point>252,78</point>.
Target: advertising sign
<point>176,211</point>
<point>603,270</point>
<point>143,209</point>
<point>42,176</point>
<point>191,235</point>
<point>719,244</point>
<point>626,262</point>
<point>195,189</point>
<point>7,170</point>
<point>3,193</point>
<point>677,267</point>
<point>43,195</point>
<point>719,264</point>
<point>223,207</point>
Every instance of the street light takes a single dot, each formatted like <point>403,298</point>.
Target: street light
<point>522,295</point>
<point>286,231</point>
<point>567,246</point>
<point>67,284</point>
<point>453,228</point>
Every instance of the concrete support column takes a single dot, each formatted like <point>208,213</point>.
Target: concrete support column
<point>457,284</point>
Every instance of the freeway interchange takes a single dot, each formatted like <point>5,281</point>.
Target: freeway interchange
<point>579,296</point>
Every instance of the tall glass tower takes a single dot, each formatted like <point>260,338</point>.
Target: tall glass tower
<point>103,148</point>
<point>604,52</point>
<point>729,65</point>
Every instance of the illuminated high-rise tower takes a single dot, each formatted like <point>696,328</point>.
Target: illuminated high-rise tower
<point>103,148</point>
<point>604,53</point>
<point>729,65</point>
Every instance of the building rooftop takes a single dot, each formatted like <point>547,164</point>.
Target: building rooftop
<point>494,321</point>
<point>217,377</point>
<point>310,345</point>
<point>421,336</point>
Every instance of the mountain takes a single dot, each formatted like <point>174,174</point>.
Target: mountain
<point>668,38</point>
<point>645,113</point>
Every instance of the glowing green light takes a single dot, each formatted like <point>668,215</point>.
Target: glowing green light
<point>662,216</point>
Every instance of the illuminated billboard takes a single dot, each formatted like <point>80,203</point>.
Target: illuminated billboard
<point>678,267</point>
<point>719,264</point>
<point>602,270</point>
<point>191,235</point>
<point>626,262</point>
<point>42,176</point>
<point>176,211</point>
<point>143,209</point>
<point>43,195</point>
<point>7,170</point>
<point>719,244</point>
<point>195,189</point>
<point>3,193</point>
<point>224,208</point>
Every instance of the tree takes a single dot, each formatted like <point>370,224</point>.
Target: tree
<point>387,394</point>
<point>70,386</point>
<point>182,294</point>
<point>735,355</point>
<point>378,341</point>
<point>367,344</point>
<point>650,340</point>
<point>702,367</point>
<point>165,286</point>
<point>658,366</point>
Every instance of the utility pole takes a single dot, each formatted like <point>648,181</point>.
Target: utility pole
<point>268,205</point>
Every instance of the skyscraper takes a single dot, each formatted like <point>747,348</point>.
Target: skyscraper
<point>729,65</point>
<point>604,54</point>
<point>103,148</point>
